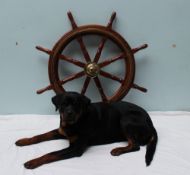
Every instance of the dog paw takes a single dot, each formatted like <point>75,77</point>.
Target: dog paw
<point>116,152</point>
<point>31,164</point>
<point>22,142</point>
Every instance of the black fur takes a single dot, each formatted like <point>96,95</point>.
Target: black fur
<point>102,123</point>
<point>84,124</point>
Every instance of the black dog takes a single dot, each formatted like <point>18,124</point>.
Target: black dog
<point>84,123</point>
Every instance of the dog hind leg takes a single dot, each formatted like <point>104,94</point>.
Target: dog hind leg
<point>131,147</point>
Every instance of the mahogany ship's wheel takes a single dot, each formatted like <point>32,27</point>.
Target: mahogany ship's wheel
<point>92,68</point>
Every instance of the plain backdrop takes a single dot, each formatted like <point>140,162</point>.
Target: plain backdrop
<point>163,68</point>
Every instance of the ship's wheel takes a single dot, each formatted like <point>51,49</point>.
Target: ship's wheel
<point>92,68</point>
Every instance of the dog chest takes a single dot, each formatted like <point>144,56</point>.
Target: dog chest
<point>71,138</point>
<point>62,132</point>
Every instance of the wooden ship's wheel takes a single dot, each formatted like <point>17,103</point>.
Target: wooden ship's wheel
<point>92,68</point>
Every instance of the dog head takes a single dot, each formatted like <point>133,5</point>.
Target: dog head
<point>71,106</point>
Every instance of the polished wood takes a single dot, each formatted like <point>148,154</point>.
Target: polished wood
<point>103,41</point>
<point>100,89</point>
<point>126,55</point>
<point>63,57</point>
<point>106,33</point>
<point>111,60</point>
<point>67,79</point>
<point>73,23</point>
<point>99,51</point>
<point>72,77</point>
<point>111,76</point>
<point>40,91</point>
<point>84,49</point>
<point>135,86</point>
<point>86,84</point>
<point>110,23</point>
<point>79,38</point>
<point>135,50</point>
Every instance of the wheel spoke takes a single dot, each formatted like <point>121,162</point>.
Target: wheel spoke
<point>100,48</point>
<point>71,60</point>
<point>102,43</point>
<point>73,23</point>
<point>72,77</point>
<point>40,91</point>
<point>100,89</point>
<point>85,86</point>
<point>111,60</point>
<point>135,50</point>
<point>69,78</point>
<point>79,39</point>
<point>44,50</point>
<point>111,76</point>
<point>111,20</point>
<point>135,86</point>
<point>83,49</point>
<point>63,57</point>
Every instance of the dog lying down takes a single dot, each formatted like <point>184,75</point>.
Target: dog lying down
<point>84,124</point>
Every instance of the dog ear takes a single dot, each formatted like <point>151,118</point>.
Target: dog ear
<point>56,100</point>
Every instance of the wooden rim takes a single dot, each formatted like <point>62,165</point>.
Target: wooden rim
<point>106,33</point>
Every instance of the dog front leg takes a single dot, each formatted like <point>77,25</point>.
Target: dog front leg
<point>51,135</point>
<point>74,150</point>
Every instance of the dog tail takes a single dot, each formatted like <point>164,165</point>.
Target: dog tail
<point>151,147</point>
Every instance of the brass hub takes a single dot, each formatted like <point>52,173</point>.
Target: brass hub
<point>92,69</point>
